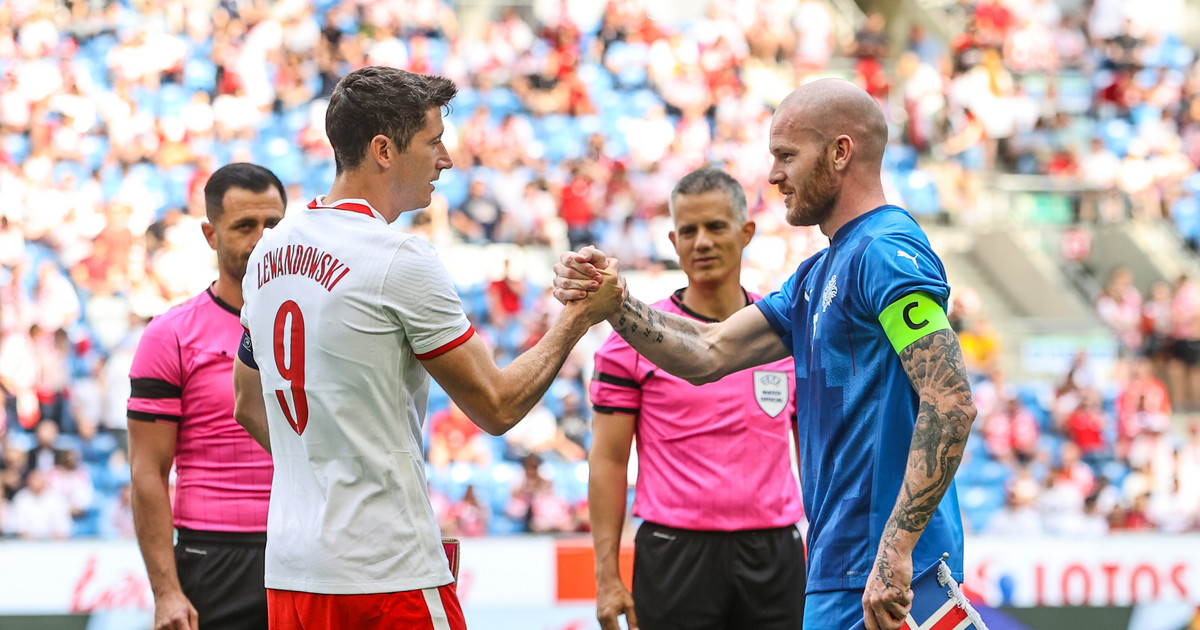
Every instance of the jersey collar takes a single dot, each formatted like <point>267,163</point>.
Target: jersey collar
<point>351,205</point>
<point>222,303</point>
<point>677,299</point>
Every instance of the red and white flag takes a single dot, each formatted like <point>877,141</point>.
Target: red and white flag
<point>938,604</point>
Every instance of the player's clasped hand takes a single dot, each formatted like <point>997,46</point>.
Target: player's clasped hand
<point>888,597</point>
<point>578,273</point>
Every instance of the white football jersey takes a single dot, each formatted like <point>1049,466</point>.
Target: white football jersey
<point>340,309</point>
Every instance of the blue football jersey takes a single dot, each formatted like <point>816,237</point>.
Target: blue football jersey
<point>855,405</point>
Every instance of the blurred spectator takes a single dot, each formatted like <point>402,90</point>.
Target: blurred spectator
<point>1142,405</point>
<point>1094,522</point>
<point>1087,426</point>
<point>870,47</point>
<point>13,466</point>
<point>1184,367</point>
<point>1120,306</point>
<point>980,344</point>
<point>1010,433</point>
<point>116,517</point>
<point>72,482</point>
<point>1135,518</point>
<point>1018,517</point>
<point>52,356</point>
<point>1061,506</point>
<point>454,438</point>
<point>504,294</point>
<point>1172,511</point>
<point>479,215</point>
<point>1156,325</point>
<point>44,452</point>
<point>539,434</point>
<point>467,517</point>
<point>40,512</point>
<point>534,503</point>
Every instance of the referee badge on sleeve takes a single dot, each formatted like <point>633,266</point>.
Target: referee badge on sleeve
<point>771,391</point>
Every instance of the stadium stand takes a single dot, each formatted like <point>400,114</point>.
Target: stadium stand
<point>113,113</point>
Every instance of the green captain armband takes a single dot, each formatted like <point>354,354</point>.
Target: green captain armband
<point>912,317</point>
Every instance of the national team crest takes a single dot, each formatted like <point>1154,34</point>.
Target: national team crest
<point>771,391</point>
<point>829,293</point>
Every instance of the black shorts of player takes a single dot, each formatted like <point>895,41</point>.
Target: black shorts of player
<point>222,575</point>
<point>703,580</point>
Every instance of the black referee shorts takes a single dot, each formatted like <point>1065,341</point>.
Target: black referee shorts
<point>222,574</point>
<point>703,580</point>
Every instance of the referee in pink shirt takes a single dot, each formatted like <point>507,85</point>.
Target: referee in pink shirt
<point>719,547</point>
<point>181,413</point>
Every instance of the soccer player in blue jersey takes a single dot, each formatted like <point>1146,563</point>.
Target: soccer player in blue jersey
<point>885,406</point>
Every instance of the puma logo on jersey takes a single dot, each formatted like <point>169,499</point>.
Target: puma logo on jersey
<point>903,254</point>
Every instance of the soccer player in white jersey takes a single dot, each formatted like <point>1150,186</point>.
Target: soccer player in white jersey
<point>349,319</point>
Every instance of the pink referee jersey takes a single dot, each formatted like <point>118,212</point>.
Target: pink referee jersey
<point>710,457</point>
<point>183,373</point>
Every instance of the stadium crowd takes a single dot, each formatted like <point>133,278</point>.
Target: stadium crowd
<point>567,132</point>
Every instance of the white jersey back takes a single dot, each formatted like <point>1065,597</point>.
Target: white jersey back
<point>340,309</point>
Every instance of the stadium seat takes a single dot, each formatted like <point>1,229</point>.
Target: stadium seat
<point>16,146</point>
<point>1117,134</point>
<point>199,73</point>
<point>899,157</point>
<point>920,194</point>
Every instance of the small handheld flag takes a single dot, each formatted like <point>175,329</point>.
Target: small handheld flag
<point>938,604</point>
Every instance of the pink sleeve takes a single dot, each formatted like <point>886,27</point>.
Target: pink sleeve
<point>156,377</point>
<point>617,380</point>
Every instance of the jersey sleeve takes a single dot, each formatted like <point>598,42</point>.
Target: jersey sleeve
<point>419,293</point>
<point>156,376</point>
<point>616,386</point>
<point>778,307</point>
<point>896,265</point>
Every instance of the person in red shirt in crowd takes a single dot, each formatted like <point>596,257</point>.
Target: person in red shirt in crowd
<point>454,438</point>
<point>1011,432</point>
<point>576,206</point>
<point>1143,404</point>
<point>1085,426</point>
<point>504,294</point>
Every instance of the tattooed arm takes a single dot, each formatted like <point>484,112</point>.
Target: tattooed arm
<point>935,368</point>
<point>695,351</point>
<point>692,350</point>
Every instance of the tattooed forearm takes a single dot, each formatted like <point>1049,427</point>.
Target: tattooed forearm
<point>936,370</point>
<point>669,341</point>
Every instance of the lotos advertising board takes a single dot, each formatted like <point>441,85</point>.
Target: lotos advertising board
<point>508,579</point>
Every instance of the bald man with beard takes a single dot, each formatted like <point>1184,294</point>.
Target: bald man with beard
<point>884,403</point>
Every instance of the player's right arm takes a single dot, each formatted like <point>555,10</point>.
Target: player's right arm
<point>497,399</point>
<point>695,351</point>
<point>608,462</point>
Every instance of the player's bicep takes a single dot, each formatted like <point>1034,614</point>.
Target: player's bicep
<point>744,340</point>
<point>919,331</point>
<point>468,374</point>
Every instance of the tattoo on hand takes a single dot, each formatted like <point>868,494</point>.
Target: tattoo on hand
<point>936,370</point>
